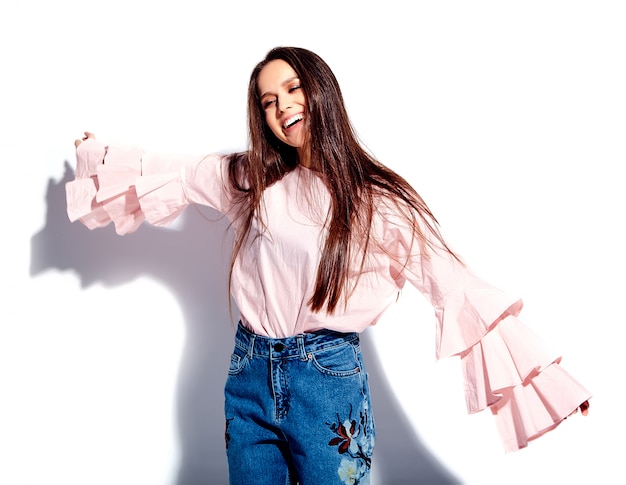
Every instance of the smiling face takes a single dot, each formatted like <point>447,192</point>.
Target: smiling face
<point>283,103</point>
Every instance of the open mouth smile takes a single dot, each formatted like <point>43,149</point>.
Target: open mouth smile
<point>291,121</point>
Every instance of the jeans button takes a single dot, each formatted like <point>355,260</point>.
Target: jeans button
<point>278,347</point>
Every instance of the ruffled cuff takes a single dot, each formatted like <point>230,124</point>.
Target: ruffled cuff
<point>110,181</point>
<point>511,371</point>
<point>506,367</point>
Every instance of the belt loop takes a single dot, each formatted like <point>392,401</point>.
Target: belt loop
<point>300,340</point>
<point>251,346</point>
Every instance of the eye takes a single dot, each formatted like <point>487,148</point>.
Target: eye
<point>268,102</point>
<point>294,87</point>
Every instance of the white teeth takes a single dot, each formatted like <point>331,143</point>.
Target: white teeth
<point>291,121</point>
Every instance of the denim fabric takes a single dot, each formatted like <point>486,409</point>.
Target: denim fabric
<point>298,410</point>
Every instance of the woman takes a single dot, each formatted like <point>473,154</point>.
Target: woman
<point>325,237</point>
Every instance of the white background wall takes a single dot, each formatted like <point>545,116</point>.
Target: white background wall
<point>508,117</point>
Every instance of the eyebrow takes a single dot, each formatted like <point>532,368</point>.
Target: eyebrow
<point>286,81</point>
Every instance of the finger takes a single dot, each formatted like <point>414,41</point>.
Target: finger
<point>87,136</point>
<point>584,408</point>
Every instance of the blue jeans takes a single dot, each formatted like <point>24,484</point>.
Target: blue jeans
<point>298,410</point>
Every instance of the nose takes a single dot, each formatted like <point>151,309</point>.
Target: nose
<point>284,104</point>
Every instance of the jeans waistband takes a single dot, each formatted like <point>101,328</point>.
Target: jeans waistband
<point>297,345</point>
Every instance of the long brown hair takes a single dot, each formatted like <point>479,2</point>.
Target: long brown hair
<point>354,178</point>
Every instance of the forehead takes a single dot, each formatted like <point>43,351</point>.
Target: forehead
<point>273,75</point>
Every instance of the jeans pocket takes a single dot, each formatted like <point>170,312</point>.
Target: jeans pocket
<point>238,361</point>
<point>340,361</point>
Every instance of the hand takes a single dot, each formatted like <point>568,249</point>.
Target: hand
<point>584,409</point>
<point>87,135</point>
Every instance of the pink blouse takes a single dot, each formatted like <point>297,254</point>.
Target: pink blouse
<point>505,365</point>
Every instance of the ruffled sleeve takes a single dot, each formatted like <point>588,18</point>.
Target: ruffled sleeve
<point>506,367</point>
<point>128,186</point>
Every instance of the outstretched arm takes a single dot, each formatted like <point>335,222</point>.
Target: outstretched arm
<point>128,185</point>
<point>506,367</point>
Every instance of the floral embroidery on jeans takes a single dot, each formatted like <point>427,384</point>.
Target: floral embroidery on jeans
<point>353,440</point>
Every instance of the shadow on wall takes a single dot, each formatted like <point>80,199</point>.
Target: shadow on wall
<point>192,262</point>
